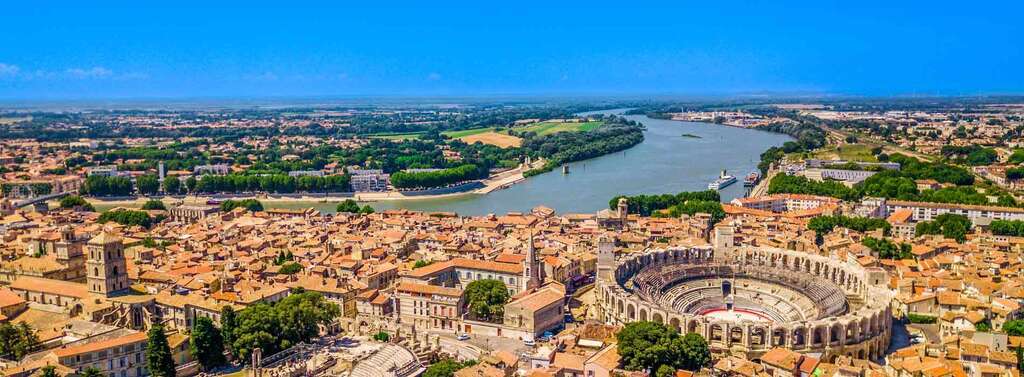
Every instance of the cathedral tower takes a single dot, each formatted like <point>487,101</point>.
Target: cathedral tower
<point>106,273</point>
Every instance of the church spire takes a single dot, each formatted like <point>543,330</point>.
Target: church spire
<point>532,269</point>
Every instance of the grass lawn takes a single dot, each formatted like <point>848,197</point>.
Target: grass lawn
<point>848,152</point>
<point>547,128</point>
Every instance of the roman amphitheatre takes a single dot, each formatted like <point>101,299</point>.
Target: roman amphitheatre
<point>746,300</point>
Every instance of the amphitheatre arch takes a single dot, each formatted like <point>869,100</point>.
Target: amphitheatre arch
<point>752,299</point>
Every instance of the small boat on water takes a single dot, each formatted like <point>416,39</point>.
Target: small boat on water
<point>723,181</point>
<point>752,179</point>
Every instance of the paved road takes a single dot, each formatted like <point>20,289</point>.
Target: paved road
<point>477,345</point>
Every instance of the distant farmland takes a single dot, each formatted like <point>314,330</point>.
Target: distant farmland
<point>490,135</point>
<point>493,138</point>
<point>547,128</point>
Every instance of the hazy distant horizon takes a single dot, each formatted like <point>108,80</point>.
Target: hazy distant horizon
<point>258,49</point>
<point>355,101</point>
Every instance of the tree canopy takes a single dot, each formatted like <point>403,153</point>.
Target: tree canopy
<point>127,217</point>
<point>252,205</point>
<point>645,205</point>
<point>17,340</point>
<point>948,225</point>
<point>650,346</point>
<point>154,204</point>
<point>277,326</point>
<point>487,298</point>
<point>447,367</point>
<point>75,201</point>
<point>158,353</point>
<point>206,344</point>
<point>349,206</point>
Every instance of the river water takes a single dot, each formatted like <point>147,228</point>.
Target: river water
<point>665,162</point>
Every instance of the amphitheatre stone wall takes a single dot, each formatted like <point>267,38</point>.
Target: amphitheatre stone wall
<point>825,306</point>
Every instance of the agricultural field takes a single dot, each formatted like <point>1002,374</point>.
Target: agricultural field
<point>547,128</point>
<point>396,136</point>
<point>501,140</point>
<point>463,133</point>
<point>13,120</point>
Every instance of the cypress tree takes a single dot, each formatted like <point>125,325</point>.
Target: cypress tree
<point>158,353</point>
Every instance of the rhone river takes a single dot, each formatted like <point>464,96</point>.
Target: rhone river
<point>665,162</point>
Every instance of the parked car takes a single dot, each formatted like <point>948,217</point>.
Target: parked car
<point>530,342</point>
<point>462,336</point>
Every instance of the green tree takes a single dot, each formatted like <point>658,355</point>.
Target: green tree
<point>158,353</point>
<point>49,371</point>
<point>349,206</point>
<point>446,368</point>
<point>487,298</point>
<point>154,204</point>
<point>1014,327</point>
<point>1020,358</point>
<point>290,268</point>
<point>191,183</point>
<point>257,326</point>
<point>172,185</point>
<point>665,371</point>
<point>92,372</point>
<point>695,352</point>
<point>651,346</point>
<point>17,340</point>
<point>228,322</point>
<point>947,224</point>
<point>75,201</point>
<point>206,344</point>
<point>127,217</point>
<point>252,205</point>
<point>381,336</point>
<point>366,210</point>
<point>148,184</point>
<point>274,327</point>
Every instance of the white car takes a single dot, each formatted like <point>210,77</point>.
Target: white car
<point>462,336</point>
<point>530,342</point>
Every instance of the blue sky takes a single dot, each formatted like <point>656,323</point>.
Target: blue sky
<point>78,50</point>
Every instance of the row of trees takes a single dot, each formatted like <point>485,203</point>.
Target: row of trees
<point>99,185</point>
<point>692,207</point>
<point>276,183</point>
<point>437,178</point>
<point>645,205</point>
<point>1007,228</point>
<point>128,217</point>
